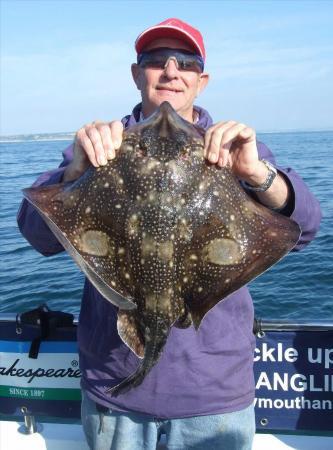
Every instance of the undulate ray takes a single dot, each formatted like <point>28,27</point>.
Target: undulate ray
<point>162,234</point>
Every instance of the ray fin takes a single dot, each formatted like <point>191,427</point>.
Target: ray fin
<point>44,199</point>
<point>232,267</point>
<point>129,331</point>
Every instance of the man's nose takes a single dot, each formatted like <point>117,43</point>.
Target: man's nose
<point>171,67</point>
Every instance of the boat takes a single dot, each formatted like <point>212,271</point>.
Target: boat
<point>40,383</point>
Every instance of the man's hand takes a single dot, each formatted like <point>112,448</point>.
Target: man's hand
<point>234,144</point>
<point>94,144</point>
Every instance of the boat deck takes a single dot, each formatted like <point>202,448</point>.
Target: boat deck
<point>60,436</point>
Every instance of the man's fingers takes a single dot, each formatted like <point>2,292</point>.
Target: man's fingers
<point>106,138</point>
<point>232,133</point>
<point>214,149</point>
<point>117,129</point>
<point>248,133</point>
<point>96,139</point>
<point>83,141</point>
<point>215,146</point>
<point>224,155</point>
<point>99,140</point>
<point>220,138</point>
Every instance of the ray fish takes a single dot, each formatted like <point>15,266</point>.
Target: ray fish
<point>162,234</point>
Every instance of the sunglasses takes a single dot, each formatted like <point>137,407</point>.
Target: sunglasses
<point>158,59</point>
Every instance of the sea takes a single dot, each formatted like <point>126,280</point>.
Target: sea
<point>300,287</point>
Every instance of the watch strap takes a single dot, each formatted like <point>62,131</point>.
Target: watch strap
<point>272,172</point>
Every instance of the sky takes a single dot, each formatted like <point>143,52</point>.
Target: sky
<point>65,63</point>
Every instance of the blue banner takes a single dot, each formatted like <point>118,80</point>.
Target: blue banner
<point>294,381</point>
<point>293,375</point>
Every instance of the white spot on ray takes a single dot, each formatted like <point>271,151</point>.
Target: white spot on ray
<point>95,243</point>
<point>151,196</point>
<point>223,252</point>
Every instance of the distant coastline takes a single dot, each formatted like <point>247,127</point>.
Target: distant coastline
<point>68,136</point>
<point>297,130</point>
<point>64,136</point>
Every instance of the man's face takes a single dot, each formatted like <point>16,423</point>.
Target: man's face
<point>178,87</point>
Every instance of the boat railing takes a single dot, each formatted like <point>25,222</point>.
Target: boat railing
<point>262,323</point>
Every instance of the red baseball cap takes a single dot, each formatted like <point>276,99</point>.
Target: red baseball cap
<point>172,28</point>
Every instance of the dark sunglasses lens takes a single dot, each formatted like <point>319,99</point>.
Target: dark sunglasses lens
<point>189,64</point>
<point>153,61</point>
<point>158,61</point>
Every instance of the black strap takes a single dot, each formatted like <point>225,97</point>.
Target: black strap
<point>257,326</point>
<point>47,321</point>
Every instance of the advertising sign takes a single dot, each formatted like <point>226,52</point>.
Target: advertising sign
<point>293,374</point>
<point>48,385</point>
<point>294,380</point>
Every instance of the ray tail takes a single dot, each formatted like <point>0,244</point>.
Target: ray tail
<point>155,338</point>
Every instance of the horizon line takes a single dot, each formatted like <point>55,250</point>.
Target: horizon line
<point>66,135</point>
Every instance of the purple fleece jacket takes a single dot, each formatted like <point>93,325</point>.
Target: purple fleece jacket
<point>209,371</point>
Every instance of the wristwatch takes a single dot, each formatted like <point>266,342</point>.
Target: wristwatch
<point>272,172</point>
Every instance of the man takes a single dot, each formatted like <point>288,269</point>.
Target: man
<point>201,391</point>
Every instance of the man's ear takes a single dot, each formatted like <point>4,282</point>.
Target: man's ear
<point>203,81</point>
<point>135,69</point>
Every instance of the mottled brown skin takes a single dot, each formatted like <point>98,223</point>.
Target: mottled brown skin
<point>163,234</point>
